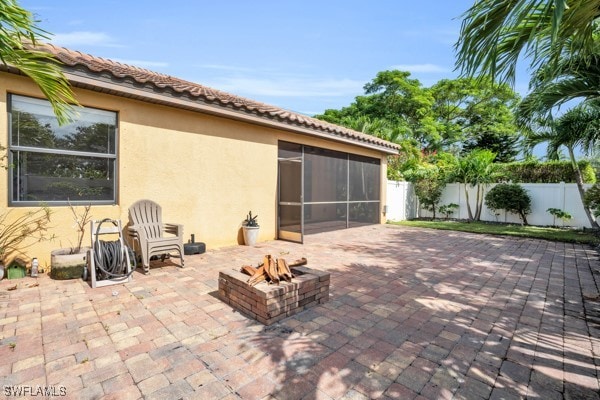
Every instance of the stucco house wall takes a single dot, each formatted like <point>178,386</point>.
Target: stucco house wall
<point>206,171</point>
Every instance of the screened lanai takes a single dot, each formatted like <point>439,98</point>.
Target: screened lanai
<point>322,190</point>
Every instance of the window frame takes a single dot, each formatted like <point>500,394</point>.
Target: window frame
<point>13,149</point>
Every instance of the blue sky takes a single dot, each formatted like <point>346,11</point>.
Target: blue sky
<point>305,56</point>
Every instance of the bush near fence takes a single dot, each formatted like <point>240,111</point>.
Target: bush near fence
<point>403,204</point>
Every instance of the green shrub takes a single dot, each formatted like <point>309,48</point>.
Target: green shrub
<point>510,197</point>
<point>545,172</point>
<point>558,213</point>
<point>448,209</point>
<point>429,191</point>
<point>592,199</point>
<point>429,183</point>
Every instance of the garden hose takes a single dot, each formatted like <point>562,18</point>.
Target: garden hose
<point>109,256</point>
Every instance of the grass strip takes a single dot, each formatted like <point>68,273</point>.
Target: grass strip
<point>534,232</point>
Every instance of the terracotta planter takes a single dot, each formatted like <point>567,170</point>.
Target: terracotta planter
<point>65,265</point>
<point>250,235</point>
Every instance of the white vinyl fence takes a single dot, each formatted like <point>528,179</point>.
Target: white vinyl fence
<point>402,203</point>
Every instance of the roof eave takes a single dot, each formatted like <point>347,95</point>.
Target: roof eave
<point>164,98</point>
<point>109,84</point>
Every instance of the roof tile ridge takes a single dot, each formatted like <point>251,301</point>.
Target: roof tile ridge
<point>228,97</point>
<point>142,75</point>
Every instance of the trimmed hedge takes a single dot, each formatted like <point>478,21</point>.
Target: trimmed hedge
<point>544,172</point>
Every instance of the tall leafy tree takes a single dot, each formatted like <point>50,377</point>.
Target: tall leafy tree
<point>402,102</point>
<point>451,99</point>
<point>477,114</point>
<point>495,33</point>
<point>503,144</point>
<point>19,36</point>
<point>395,108</point>
<point>405,103</point>
<point>578,127</point>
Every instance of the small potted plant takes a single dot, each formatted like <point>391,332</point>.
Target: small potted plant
<point>250,228</point>
<point>69,263</point>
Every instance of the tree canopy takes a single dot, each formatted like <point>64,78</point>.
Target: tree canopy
<point>456,115</point>
<point>396,107</point>
<point>477,114</point>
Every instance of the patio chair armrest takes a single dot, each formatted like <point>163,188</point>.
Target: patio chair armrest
<point>174,229</point>
<point>136,232</point>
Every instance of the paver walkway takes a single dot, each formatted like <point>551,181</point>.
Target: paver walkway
<point>413,313</point>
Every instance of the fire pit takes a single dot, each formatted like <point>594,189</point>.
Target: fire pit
<point>271,302</point>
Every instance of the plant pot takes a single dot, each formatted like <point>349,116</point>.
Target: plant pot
<point>250,235</point>
<point>66,265</point>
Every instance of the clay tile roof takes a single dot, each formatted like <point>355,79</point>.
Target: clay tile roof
<point>98,65</point>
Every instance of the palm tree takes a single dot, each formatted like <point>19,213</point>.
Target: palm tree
<point>495,33</point>
<point>573,77</point>
<point>578,127</point>
<point>476,169</point>
<point>19,36</point>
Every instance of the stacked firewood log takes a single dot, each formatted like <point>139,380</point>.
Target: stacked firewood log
<point>271,270</point>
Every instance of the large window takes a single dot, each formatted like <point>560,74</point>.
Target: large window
<point>55,164</point>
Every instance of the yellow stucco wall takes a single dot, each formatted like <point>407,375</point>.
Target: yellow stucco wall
<point>206,172</point>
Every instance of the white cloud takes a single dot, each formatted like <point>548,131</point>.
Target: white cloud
<point>289,86</point>
<point>84,38</point>
<point>142,63</point>
<point>221,67</point>
<point>421,68</point>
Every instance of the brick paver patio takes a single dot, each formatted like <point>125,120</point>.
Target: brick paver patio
<point>413,313</point>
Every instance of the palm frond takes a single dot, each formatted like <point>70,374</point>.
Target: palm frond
<point>496,33</point>
<point>19,36</point>
<point>43,69</point>
<point>579,126</point>
<point>542,101</point>
<point>574,77</point>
